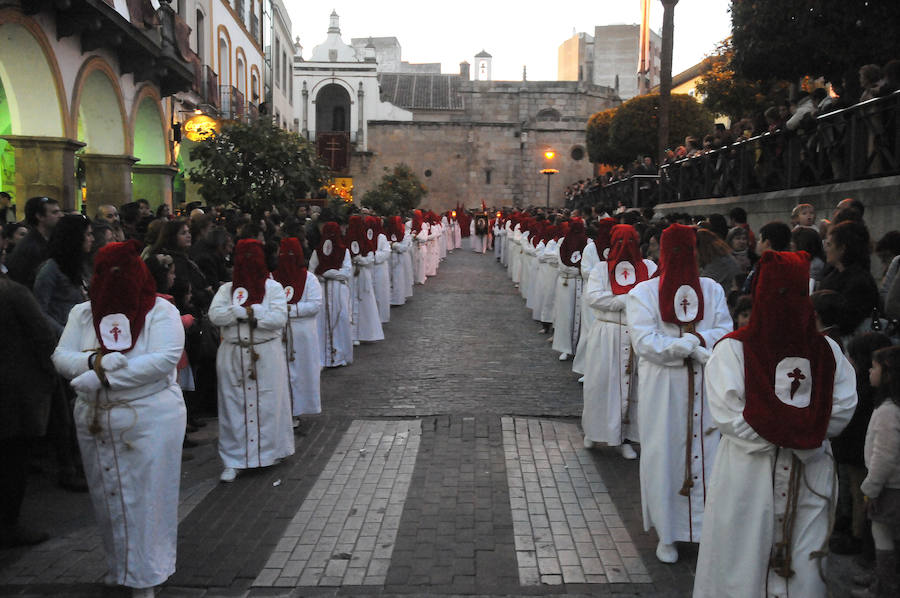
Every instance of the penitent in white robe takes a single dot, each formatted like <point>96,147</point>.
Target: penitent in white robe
<point>254,415</point>
<point>302,349</point>
<point>547,275</point>
<point>381,278</point>
<point>133,463</point>
<point>662,410</point>
<point>420,259</point>
<point>534,296</point>
<point>610,391</point>
<point>589,260</point>
<point>400,282</point>
<point>366,321</point>
<point>746,501</point>
<point>333,320</point>
<point>408,257</point>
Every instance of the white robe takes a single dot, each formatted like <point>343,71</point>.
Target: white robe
<point>254,415</point>
<point>333,320</point>
<point>133,464</point>
<point>565,310</point>
<point>420,257</point>
<point>534,297</point>
<point>444,241</point>
<point>515,255</point>
<point>366,321</point>
<point>400,282</point>
<point>302,349</point>
<point>457,235</point>
<point>432,258</point>
<point>499,242</point>
<point>547,280</point>
<point>479,242</point>
<point>662,410</point>
<point>746,498</point>
<point>607,384</point>
<point>381,278</point>
<point>589,260</point>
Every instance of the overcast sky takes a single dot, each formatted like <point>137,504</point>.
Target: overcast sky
<point>515,33</point>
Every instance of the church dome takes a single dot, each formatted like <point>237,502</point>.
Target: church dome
<point>333,49</point>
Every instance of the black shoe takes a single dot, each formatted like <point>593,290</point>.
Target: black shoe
<point>188,443</point>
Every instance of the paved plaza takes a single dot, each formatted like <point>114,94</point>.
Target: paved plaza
<point>448,460</point>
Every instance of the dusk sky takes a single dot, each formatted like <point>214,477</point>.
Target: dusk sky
<point>514,33</point>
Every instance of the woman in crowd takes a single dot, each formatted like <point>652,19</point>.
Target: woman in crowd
<point>175,240</point>
<point>129,414</point>
<point>808,240</point>
<point>301,335</point>
<point>61,282</point>
<point>847,252</point>
<point>716,261</point>
<point>739,242</point>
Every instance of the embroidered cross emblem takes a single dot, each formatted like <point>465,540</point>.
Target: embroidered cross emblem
<point>115,330</point>
<point>626,275</point>
<point>685,304</point>
<point>240,296</point>
<point>796,376</point>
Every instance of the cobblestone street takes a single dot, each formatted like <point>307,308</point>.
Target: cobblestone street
<point>448,460</point>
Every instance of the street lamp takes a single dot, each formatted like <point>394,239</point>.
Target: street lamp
<point>548,156</point>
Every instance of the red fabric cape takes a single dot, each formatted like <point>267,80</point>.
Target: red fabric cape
<point>373,227</point>
<point>602,237</point>
<point>574,241</point>
<point>678,269</point>
<point>331,234</point>
<point>783,326</point>
<point>250,270</point>
<point>625,248</point>
<point>121,284</point>
<point>356,231</point>
<point>396,229</point>
<point>291,271</point>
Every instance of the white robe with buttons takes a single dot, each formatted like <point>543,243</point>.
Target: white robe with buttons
<point>366,323</point>
<point>381,278</point>
<point>303,353</point>
<point>746,502</point>
<point>589,260</point>
<point>133,464</point>
<point>662,410</point>
<point>254,415</point>
<point>401,284</point>
<point>607,384</point>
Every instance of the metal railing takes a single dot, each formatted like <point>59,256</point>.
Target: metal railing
<point>232,103</point>
<point>853,143</point>
<point>210,91</point>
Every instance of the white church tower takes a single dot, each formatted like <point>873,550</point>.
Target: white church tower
<point>483,66</point>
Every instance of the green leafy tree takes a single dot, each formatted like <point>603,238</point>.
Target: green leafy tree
<point>256,165</point>
<point>599,149</point>
<point>726,92</point>
<point>398,191</point>
<point>635,125</point>
<point>790,39</point>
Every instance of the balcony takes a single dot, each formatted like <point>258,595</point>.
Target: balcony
<point>231,103</point>
<point>210,88</point>
<point>254,27</point>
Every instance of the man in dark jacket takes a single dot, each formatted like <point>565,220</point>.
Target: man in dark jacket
<point>41,216</point>
<point>28,382</point>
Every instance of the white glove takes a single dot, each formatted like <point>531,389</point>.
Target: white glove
<point>700,354</point>
<point>239,311</point>
<point>87,382</point>
<point>617,303</point>
<point>683,346</point>
<point>257,310</point>
<point>742,429</point>
<point>114,361</point>
<point>807,455</point>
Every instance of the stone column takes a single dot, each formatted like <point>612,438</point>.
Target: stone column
<point>305,112</point>
<point>45,166</point>
<point>361,121</point>
<point>153,182</point>
<point>108,179</point>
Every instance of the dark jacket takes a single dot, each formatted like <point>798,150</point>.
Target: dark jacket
<point>56,294</point>
<point>211,263</point>
<point>27,374</point>
<point>26,258</point>
<point>187,270</point>
<point>858,288</point>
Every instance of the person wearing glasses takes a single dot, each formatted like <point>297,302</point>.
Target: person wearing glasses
<point>41,216</point>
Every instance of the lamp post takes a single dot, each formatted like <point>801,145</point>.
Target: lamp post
<point>548,156</point>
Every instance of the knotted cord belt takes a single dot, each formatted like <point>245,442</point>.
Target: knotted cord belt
<point>780,562</point>
<point>688,482</point>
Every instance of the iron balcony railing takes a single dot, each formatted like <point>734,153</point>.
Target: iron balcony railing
<point>232,103</point>
<point>210,92</point>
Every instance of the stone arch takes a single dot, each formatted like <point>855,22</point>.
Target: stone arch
<point>223,55</point>
<point>254,84</point>
<point>98,109</point>
<point>150,130</point>
<point>333,106</point>
<point>33,74</point>
<point>549,115</point>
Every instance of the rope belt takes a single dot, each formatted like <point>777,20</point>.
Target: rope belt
<point>247,344</point>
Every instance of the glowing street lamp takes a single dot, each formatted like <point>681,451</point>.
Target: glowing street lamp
<point>549,155</point>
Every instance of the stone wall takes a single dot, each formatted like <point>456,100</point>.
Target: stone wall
<point>881,197</point>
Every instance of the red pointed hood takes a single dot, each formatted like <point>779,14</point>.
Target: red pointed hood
<point>625,265</point>
<point>680,295</point>
<point>291,271</point>
<point>250,272</point>
<point>331,249</point>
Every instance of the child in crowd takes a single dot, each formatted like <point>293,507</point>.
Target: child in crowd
<point>740,313</point>
<point>803,214</point>
<point>882,484</point>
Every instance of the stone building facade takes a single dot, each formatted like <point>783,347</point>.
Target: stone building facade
<point>483,140</point>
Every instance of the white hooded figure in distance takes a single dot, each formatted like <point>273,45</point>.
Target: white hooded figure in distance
<point>121,350</point>
<point>254,403</point>
<point>381,271</point>
<point>365,321</point>
<point>674,321</point>
<point>778,389</point>
<point>399,242</point>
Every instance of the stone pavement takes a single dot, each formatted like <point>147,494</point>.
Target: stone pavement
<point>447,461</point>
